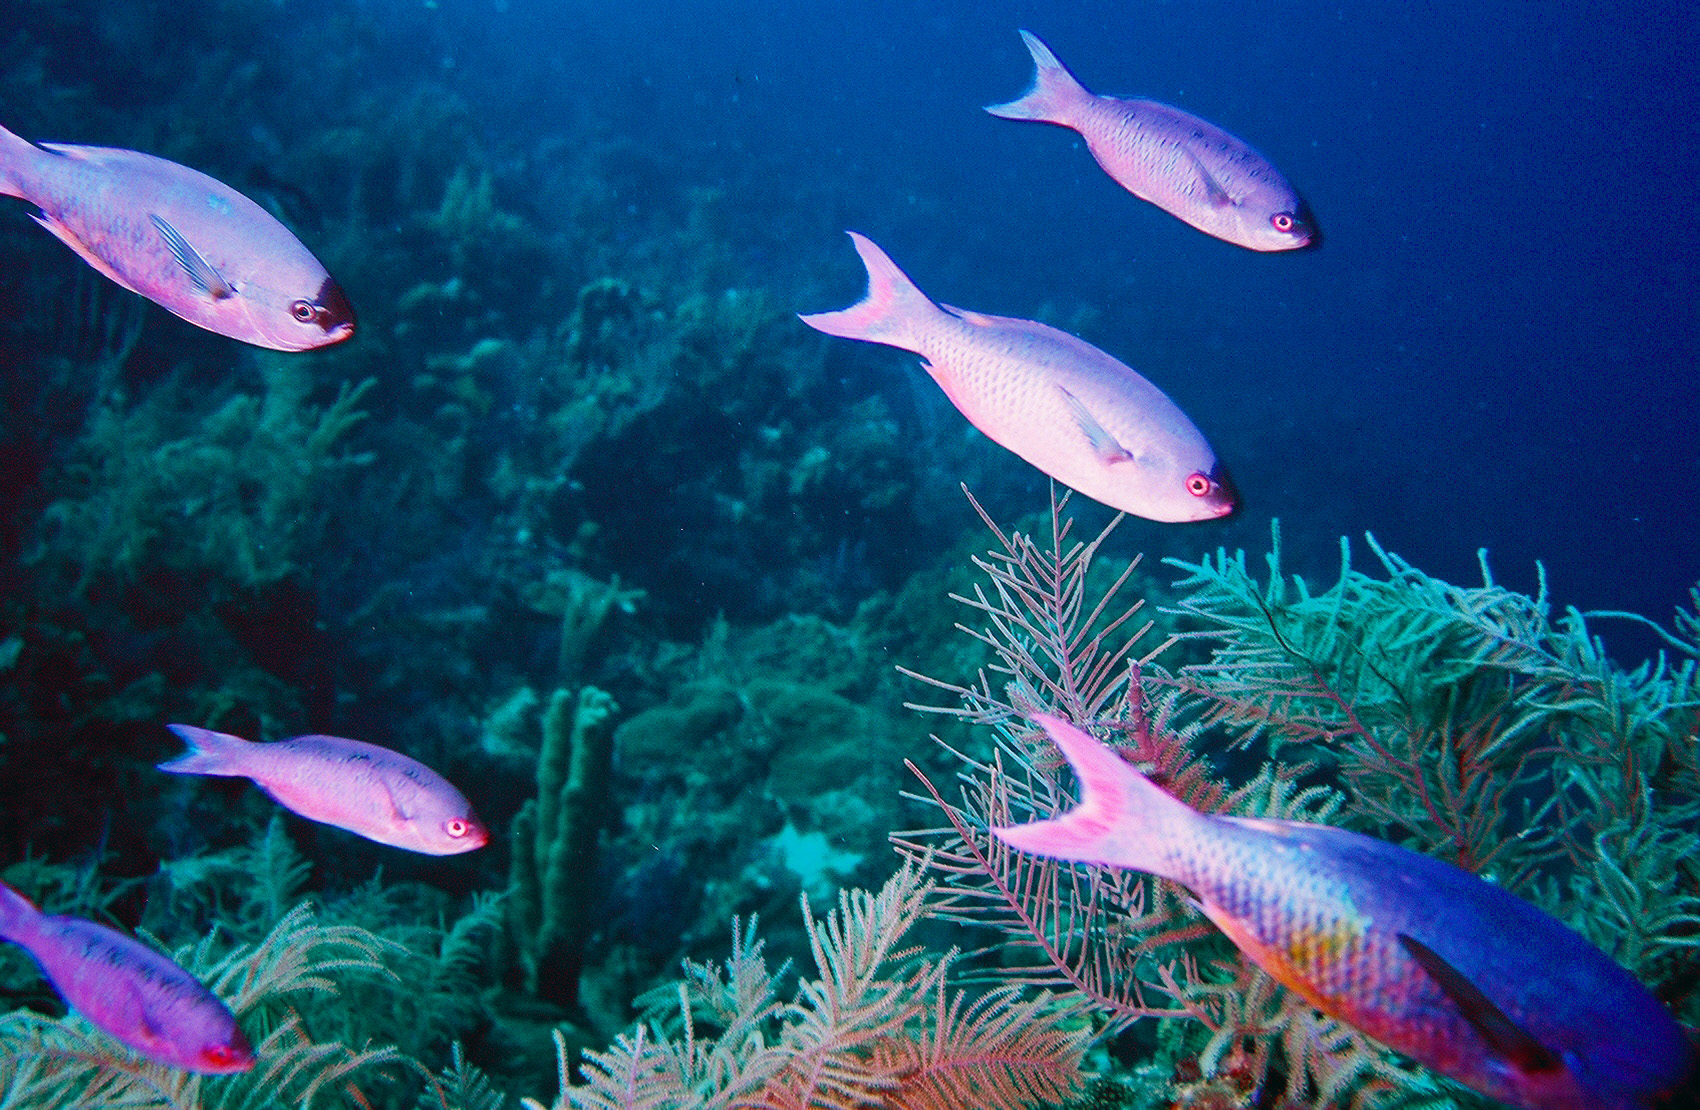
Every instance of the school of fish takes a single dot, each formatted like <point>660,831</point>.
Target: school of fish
<point>1434,962</point>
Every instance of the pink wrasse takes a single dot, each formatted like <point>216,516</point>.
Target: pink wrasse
<point>132,993</point>
<point>185,241</point>
<point>369,790</point>
<point>1186,166</point>
<point>1060,403</point>
<point>1429,959</point>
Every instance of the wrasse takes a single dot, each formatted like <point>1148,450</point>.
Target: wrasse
<point>369,790</point>
<point>187,242</point>
<point>1186,166</point>
<point>1450,970</point>
<point>127,990</point>
<point>1068,408</point>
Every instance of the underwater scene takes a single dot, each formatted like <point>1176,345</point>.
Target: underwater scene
<point>1193,602</point>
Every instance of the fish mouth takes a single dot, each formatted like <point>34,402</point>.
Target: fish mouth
<point>1223,497</point>
<point>333,312</point>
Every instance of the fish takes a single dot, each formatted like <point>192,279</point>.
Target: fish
<point>1060,403</point>
<point>1188,167</point>
<point>366,789</point>
<point>1438,964</point>
<point>186,241</point>
<point>127,990</point>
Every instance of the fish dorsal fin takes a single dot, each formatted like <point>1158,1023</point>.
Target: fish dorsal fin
<point>1218,195</point>
<point>200,271</point>
<point>1508,1038</point>
<point>1104,445</point>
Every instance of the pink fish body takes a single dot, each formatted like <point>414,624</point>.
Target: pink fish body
<point>369,790</point>
<point>1186,166</point>
<point>1432,961</point>
<point>128,990</point>
<point>187,242</point>
<point>1060,403</point>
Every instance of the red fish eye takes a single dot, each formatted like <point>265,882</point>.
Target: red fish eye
<point>1283,221</point>
<point>1198,484</point>
<point>303,311</point>
<point>456,827</point>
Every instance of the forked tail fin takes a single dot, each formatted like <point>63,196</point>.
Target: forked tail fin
<point>1123,819</point>
<point>15,910</point>
<point>891,313</point>
<point>210,753</point>
<point>1054,94</point>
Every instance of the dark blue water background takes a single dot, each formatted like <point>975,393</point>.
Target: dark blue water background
<point>1495,345</point>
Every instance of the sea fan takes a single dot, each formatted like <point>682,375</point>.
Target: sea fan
<point>1449,718</point>
<point>878,1026</point>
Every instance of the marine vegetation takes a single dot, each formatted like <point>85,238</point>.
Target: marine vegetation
<point>880,1025</point>
<point>1461,721</point>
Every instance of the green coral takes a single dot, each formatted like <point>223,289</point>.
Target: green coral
<point>554,843</point>
<point>232,491</point>
<point>1462,721</point>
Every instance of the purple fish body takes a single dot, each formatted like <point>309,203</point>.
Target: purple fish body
<point>186,241</point>
<point>126,989</point>
<point>1068,408</point>
<point>369,790</point>
<point>1436,963</point>
<point>1186,166</point>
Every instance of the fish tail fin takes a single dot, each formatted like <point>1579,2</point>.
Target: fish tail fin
<point>888,313</point>
<point>15,909</point>
<point>1054,94</point>
<point>210,753</point>
<point>1123,819</point>
<point>15,152</point>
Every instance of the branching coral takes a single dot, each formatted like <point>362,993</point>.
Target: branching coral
<point>877,1027</point>
<point>1459,720</point>
<point>231,492</point>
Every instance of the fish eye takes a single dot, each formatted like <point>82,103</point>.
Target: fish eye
<point>303,311</point>
<point>1283,221</point>
<point>456,827</point>
<point>1198,484</point>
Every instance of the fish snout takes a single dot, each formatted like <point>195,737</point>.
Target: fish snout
<point>226,1057</point>
<point>330,310</point>
<point>1215,491</point>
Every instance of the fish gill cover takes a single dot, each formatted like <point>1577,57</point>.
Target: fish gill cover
<point>585,521</point>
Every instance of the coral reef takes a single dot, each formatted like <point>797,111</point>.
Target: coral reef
<point>878,1026</point>
<point>554,843</point>
<point>1459,720</point>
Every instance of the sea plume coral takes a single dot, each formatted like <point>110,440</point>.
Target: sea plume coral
<point>876,1026</point>
<point>1459,721</point>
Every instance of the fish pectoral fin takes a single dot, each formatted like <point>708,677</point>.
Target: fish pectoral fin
<point>1508,1038</point>
<point>1212,189</point>
<point>1104,445</point>
<point>200,271</point>
<point>398,811</point>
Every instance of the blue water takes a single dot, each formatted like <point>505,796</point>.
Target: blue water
<point>1494,346</point>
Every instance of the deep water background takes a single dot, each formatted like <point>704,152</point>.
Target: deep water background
<point>1496,345</point>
